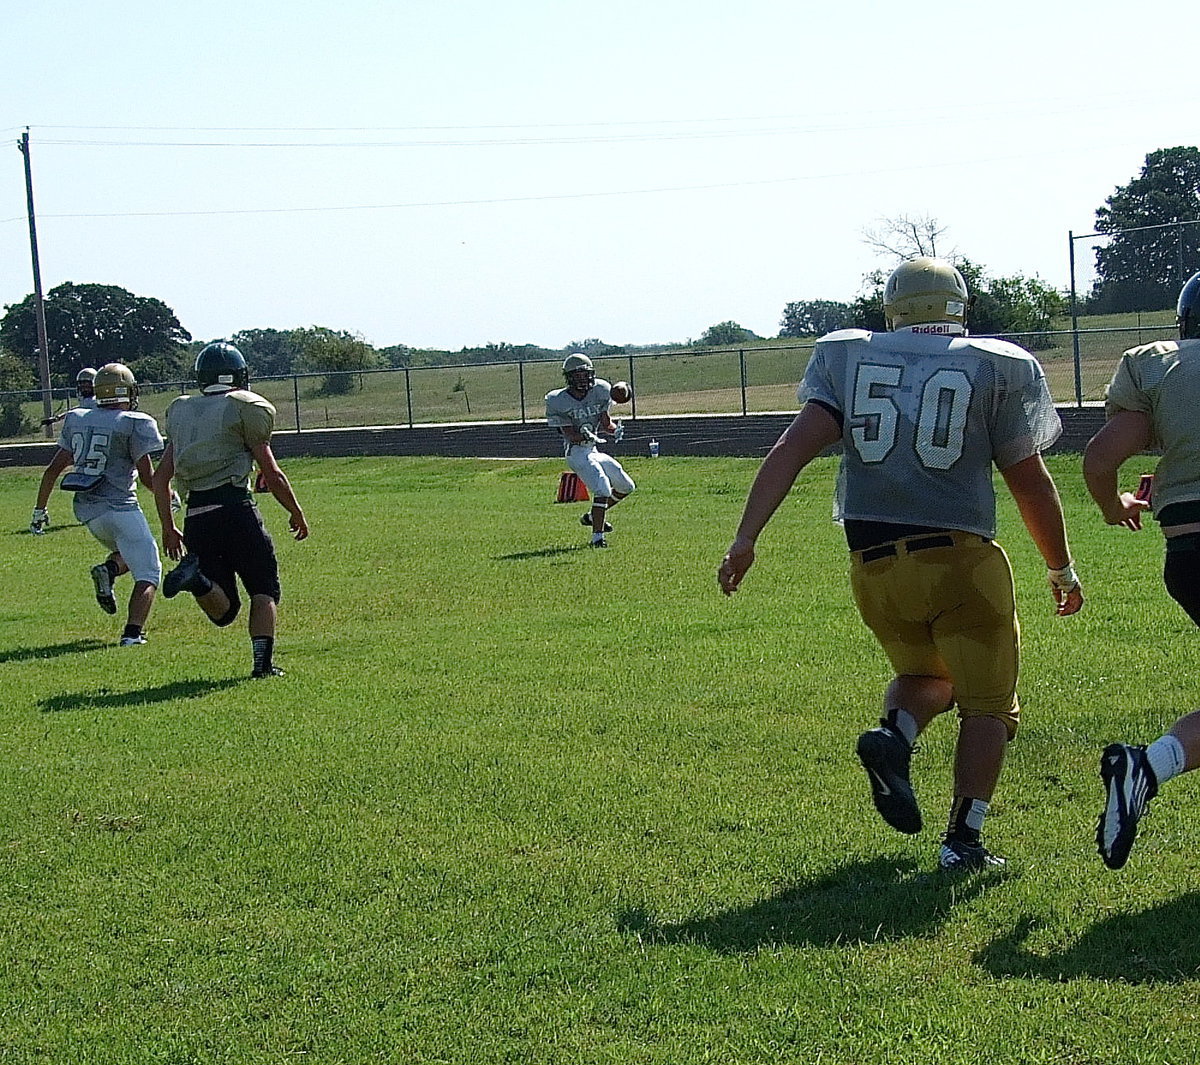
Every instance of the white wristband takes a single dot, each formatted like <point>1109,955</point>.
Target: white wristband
<point>1063,580</point>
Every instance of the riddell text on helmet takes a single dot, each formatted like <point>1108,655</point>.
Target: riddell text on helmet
<point>940,328</point>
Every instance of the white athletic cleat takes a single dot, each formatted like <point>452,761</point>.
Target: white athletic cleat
<point>132,641</point>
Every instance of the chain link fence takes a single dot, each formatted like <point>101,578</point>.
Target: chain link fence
<point>751,380</point>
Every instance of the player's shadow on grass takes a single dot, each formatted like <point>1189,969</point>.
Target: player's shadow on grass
<point>860,902</point>
<point>541,552</point>
<point>103,699</point>
<point>52,530</point>
<point>54,650</point>
<point>1158,945</point>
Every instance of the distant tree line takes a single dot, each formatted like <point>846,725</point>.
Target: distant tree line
<point>1153,223</point>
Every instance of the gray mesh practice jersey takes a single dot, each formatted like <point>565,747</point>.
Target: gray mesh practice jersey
<point>212,435</point>
<point>107,444</point>
<point>924,418</point>
<point>1163,381</point>
<point>563,409</point>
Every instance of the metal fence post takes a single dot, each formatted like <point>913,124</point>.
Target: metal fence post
<point>408,394</point>
<point>521,385</point>
<point>296,399</point>
<point>742,374</point>
<point>632,390</point>
<point>1075,325</point>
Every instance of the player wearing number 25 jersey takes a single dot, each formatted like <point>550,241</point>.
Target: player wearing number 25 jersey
<point>923,414</point>
<point>109,448</point>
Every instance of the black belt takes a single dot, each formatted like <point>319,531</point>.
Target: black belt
<point>922,543</point>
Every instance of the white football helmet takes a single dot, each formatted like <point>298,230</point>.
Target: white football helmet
<point>84,382</point>
<point>577,368</point>
<point>926,291</point>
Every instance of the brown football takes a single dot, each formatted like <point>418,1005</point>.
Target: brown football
<point>621,392</point>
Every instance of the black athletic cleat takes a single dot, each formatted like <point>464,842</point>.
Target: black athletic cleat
<point>586,520</point>
<point>186,577</point>
<point>599,543</point>
<point>885,756</point>
<point>270,671</point>
<point>1129,785</point>
<point>102,579</point>
<point>959,856</point>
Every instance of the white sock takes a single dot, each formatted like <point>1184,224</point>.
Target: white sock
<point>1166,757</point>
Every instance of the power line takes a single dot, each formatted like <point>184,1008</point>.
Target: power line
<point>667,129</point>
<point>483,201</point>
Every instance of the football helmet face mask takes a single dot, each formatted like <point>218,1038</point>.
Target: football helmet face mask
<point>85,382</point>
<point>927,292</point>
<point>220,367</point>
<point>115,384</point>
<point>1187,310</point>
<point>579,372</point>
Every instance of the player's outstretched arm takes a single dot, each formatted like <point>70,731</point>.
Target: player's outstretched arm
<point>1037,499</point>
<point>1125,434</point>
<point>813,430</point>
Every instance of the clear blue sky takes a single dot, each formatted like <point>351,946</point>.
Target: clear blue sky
<point>443,173</point>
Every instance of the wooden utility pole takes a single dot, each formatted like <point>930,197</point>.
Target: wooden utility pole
<point>39,308</point>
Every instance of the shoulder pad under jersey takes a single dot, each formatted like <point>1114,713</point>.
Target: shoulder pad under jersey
<point>1155,347</point>
<point>845,334</point>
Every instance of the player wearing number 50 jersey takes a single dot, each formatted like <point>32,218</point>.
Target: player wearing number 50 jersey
<point>923,413</point>
<point>109,447</point>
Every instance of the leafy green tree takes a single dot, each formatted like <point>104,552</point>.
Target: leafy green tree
<point>396,356</point>
<point>89,325</point>
<point>1008,305</point>
<point>806,318</point>
<point>1144,270</point>
<point>338,354</point>
<point>724,335</point>
<point>593,348</point>
<point>999,305</point>
<point>269,352</point>
<point>868,304</point>
<point>15,378</point>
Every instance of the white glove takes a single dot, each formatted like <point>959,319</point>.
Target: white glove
<point>589,437</point>
<point>176,502</point>
<point>39,521</point>
<point>619,432</point>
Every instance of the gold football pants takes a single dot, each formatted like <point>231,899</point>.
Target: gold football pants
<point>942,605</point>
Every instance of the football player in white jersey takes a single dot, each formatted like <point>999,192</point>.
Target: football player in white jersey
<point>1151,404</point>
<point>85,389</point>
<point>580,412</point>
<point>110,447</point>
<point>214,441</point>
<point>922,413</point>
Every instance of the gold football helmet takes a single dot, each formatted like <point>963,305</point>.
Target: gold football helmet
<point>115,384</point>
<point>925,291</point>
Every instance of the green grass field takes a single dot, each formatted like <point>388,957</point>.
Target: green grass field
<point>518,801</point>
